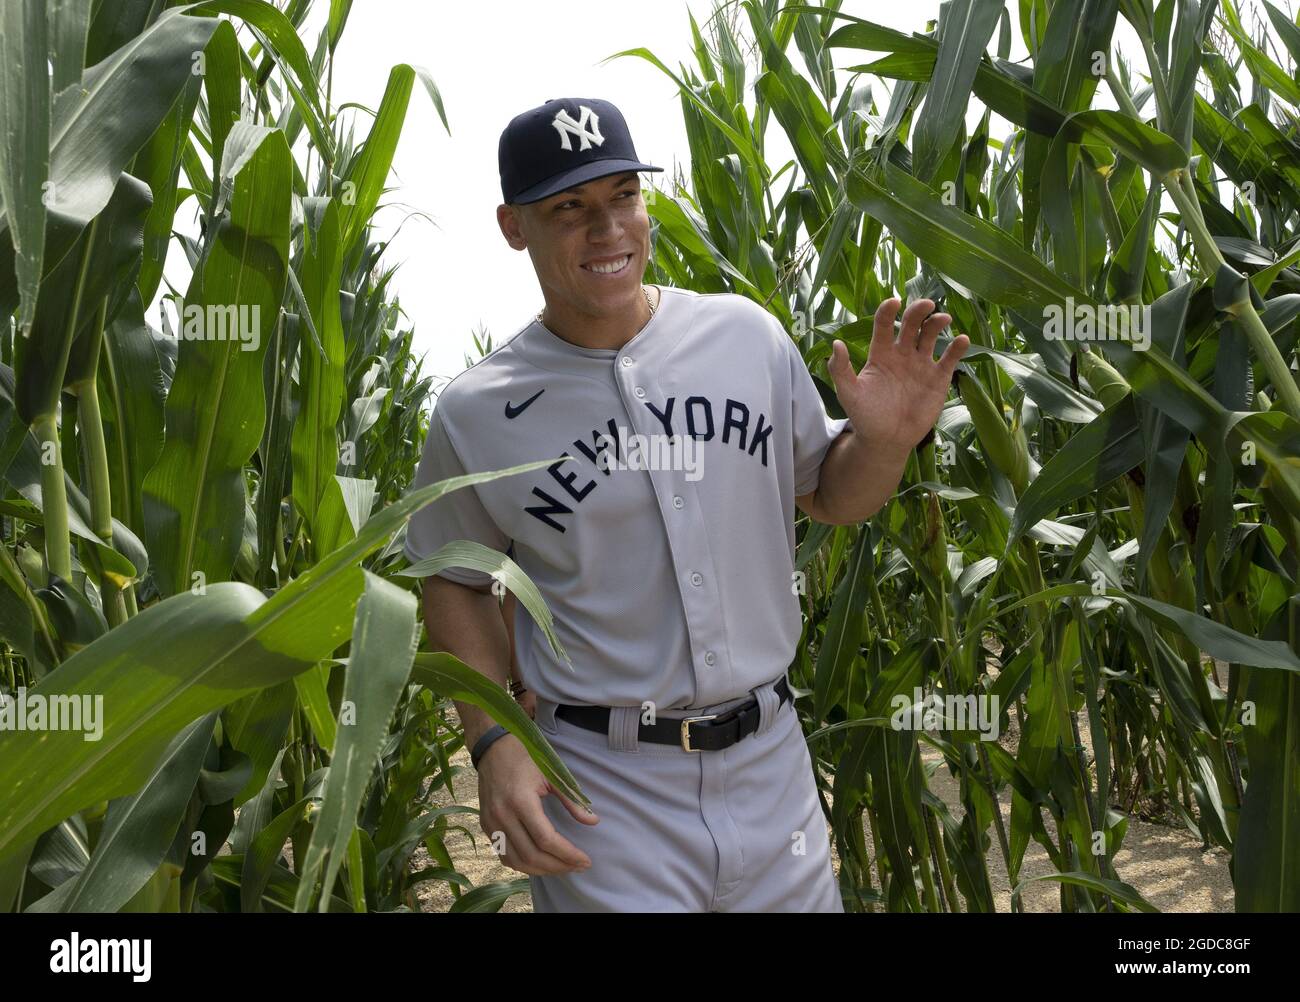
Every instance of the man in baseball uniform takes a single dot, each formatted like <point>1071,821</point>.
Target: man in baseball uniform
<point>688,429</point>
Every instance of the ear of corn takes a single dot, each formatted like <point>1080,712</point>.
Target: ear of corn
<point>1106,383</point>
<point>1005,447</point>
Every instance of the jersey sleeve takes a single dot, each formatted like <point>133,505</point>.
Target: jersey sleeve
<point>458,514</point>
<point>813,429</point>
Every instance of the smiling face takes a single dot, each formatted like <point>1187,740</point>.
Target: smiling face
<point>589,244</point>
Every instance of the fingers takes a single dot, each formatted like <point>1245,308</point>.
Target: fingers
<point>934,325</point>
<point>919,330</point>
<point>948,361</point>
<point>520,852</point>
<point>550,845</point>
<point>532,845</point>
<point>510,799</point>
<point>911,327</point>
<point>882,335</point>
<point>579,813</point>
<point>840,367</point>
<point>913,317</point>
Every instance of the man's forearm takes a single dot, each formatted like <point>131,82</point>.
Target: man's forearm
<point>468,624</point>
<point>857,478</point>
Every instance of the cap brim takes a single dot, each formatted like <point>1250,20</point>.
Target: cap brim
<point>569,178</point>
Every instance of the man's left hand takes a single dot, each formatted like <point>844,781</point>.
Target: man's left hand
<point>897,397</point>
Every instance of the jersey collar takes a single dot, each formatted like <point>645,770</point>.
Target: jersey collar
<point>548,350</point>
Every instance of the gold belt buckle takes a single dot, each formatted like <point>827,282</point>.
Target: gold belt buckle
<point>686,731</point>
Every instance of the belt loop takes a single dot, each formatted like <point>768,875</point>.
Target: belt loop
<point>769,703</point>
<point>545,715</point>
<point>624,728</point>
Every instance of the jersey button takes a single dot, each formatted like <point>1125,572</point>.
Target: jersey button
<point>639,391</point>
<point>677,501</point>
<point>709,658</point>
<point>696,579</point>
<point>627,360</point>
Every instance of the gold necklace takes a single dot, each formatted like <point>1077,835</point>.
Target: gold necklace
<point>648,301</point>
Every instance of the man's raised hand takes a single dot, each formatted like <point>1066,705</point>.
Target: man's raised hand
<point>897,397</point>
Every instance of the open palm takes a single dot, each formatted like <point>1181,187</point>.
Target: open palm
<point>896,398</point>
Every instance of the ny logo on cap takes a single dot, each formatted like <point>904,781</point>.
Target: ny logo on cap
<point>566,126</point>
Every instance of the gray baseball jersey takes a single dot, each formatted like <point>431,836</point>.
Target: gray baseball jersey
<point>664,542</point>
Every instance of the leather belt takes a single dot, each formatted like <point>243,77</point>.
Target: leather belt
<point>707,732</point>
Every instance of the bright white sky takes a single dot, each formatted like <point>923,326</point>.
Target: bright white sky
<point>457,274</point>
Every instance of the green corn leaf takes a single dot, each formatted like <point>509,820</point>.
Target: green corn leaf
<point>25,142</point>
<point>839,648</point>
<point>384,638</point>
<point>138,830</point>
<point>1102,450</point>
<point>194,496</point>
<point>965,29</point>
<point>236,641</point>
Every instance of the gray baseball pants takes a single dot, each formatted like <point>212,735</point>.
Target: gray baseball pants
<point>735,830</point>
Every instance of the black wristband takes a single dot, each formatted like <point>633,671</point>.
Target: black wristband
<point>483,743</point>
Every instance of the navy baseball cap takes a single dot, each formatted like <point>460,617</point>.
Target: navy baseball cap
<point>562,143</point>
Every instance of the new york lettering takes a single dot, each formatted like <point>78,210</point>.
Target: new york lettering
<point>695,418</point>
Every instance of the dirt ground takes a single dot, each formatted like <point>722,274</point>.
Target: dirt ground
<point>1164,863</point>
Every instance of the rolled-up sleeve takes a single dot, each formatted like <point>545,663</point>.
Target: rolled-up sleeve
<point>458,514</point>
<point>812,428</point>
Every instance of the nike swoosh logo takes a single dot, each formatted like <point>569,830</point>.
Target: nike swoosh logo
<point>514,412</point>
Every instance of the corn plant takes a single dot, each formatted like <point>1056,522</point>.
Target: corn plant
<point>1101,538</point>
<point>207,637</point>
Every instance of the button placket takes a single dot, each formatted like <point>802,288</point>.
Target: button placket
<point>687,539</point>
